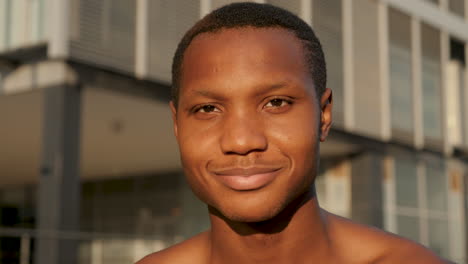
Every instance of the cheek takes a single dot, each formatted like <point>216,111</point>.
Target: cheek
<point>297,138</point>
<point>196,141</point>
<point>197,147</point>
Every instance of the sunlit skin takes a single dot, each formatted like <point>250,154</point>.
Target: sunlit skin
<point>249,123</point>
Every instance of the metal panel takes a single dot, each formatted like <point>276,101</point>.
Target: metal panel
<point>103,33</point>
<point>169,20</point>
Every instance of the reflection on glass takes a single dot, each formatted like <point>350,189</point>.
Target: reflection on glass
<point>400,75</point>
<point>406,183</point>
<point>436,188</point>
<point>438,236</point>
<point>431,82</point>
<point>408,226</point>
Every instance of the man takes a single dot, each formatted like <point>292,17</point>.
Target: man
<point>250,105</point>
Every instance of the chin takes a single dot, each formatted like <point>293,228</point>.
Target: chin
<point>250,210</point>
<point>251,217</point>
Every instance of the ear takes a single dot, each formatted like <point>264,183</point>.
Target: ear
<point>174,118</point>
<point>326,105</point>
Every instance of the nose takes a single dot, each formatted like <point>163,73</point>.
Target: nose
<point>243,134</point>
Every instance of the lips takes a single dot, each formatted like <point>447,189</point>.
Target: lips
<point>245,179</point>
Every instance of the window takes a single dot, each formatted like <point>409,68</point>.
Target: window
<point>457,7</point>
<point>431,85</point>
<point>104,33</point>
<point>168,21</point>
<point>401,90</point>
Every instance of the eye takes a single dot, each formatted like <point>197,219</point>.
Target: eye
<point>206,109</point>
<point>278,102</point>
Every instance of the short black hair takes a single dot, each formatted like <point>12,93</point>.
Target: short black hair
<point>248,14</point>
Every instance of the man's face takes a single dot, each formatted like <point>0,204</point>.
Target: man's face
<point>248,121</point>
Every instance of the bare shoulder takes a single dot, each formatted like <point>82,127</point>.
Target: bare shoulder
<point>365,244</point>
<point>194,250</point>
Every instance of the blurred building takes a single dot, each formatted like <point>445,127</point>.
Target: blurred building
<point>89,169</point>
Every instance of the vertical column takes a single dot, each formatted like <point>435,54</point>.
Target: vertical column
<point>205,7</point>
<point>384,71</point>
<point>465,108</point>
<point>348,78</point>
<point>306,11</point>
<point>456,211</point>
<point>59,183</point>
<point>453,122</point>
<point>141,39</point>
<point>389,195</point>
<point>58,28</point>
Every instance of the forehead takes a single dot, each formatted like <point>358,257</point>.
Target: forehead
<point>242,53</point>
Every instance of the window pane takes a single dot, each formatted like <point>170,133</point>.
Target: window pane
<point>438,237</point>
<point>406,183</point>
<point>431,82</point>
<point>457,7</point>
<point>408,226</point>
<point>436,186</point>
<point>327,23</point>
<point>401,75</point>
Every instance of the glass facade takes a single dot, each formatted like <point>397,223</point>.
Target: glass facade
<point>134,199</point>
<point>401,76</point>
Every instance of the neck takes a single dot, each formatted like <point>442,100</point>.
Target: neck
<point>297,235</point>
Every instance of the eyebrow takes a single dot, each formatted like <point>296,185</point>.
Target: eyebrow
<point>273,87</point>
<point>261,90</point>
